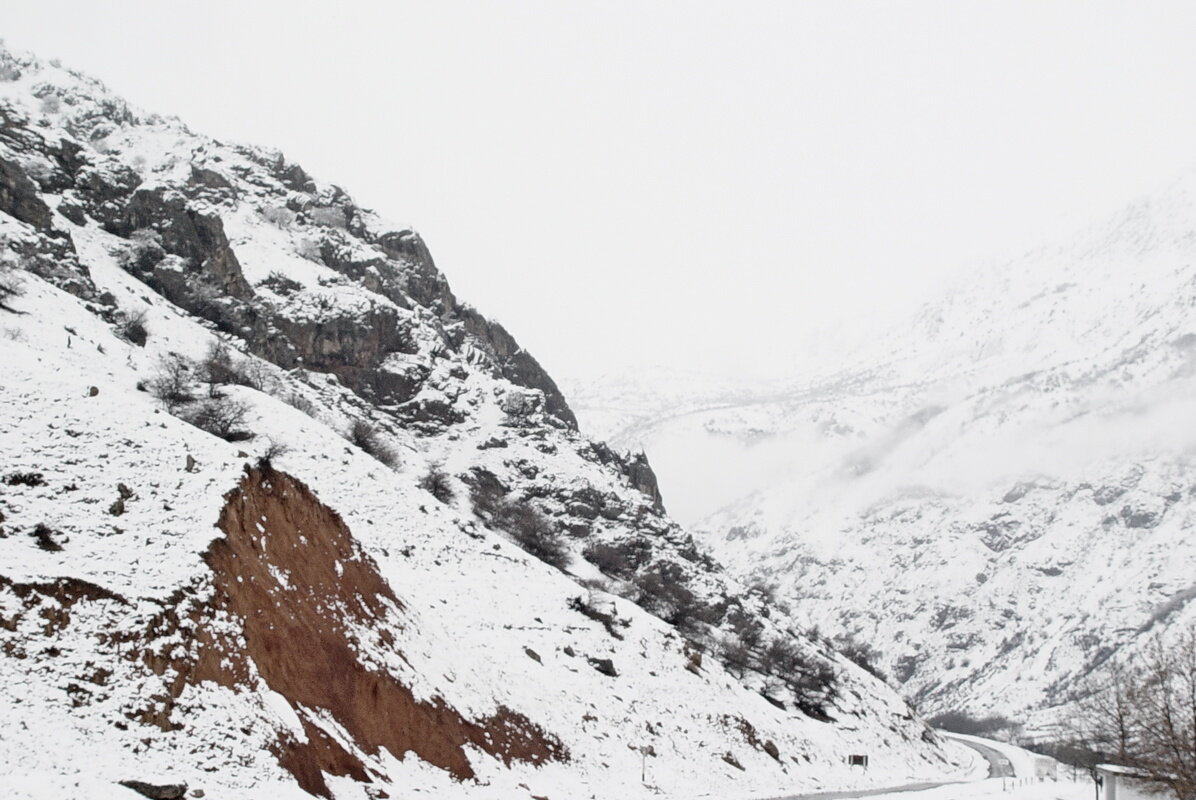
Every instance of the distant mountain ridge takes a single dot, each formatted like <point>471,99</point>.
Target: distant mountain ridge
<point>999,496</point>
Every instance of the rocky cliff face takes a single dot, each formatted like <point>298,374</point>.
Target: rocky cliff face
<point>280,514</point>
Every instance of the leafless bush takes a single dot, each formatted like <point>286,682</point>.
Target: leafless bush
<point>254,374</point>
<point>519,519</point>
<point>619,559</point>
<point>532,531</point>
<point>281,285</point>
<point>221,367</point>
<point>810,678</point>
<point>735,654</point>
<point>438,482</point>
<point>663,592</point>
<point>486,492</point>
<point>300,402</point>
<point>369,438</point>
<point>273,451</point>
<point>862,655</point>
<point>10,287</point>
<point>132,327</point>
<point>172,382</point>
<point>216,368</point>
<point>30,479</point>
<point>45,538</point>
<point>221,416</point>
<point>608,620</point>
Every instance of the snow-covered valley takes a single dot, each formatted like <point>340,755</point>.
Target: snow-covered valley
<point>997,496</point>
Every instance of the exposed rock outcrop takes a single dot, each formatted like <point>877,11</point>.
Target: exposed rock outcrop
<point>300,633</point>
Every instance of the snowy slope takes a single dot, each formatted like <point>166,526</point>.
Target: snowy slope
<point>996,497</point>
<point>180,608</point>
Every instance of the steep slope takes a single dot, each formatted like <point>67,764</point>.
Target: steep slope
<point>276,511</point>
<point>998,497</point>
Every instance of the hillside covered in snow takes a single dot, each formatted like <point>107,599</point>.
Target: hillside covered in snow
<point>997,497</point>
<point>281,516</point>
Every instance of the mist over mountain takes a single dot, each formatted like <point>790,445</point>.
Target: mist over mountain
<point>998,495</point>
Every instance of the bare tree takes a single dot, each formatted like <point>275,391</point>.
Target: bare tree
<point>172,382</point>
<point>1142,714</point>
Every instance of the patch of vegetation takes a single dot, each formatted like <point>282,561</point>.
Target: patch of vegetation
<point>862,655</point>
<point>171,384</point>
<point>532,531</point>
<point>370,439</point>
<point>131,327</point>
<point>962,722</point>
<point>221,416</point>
<point>587,608</point>
<point>45,538</point>
<point>25,479</point>
<point>281,285</point>
<point>438,483</point>
<point>619,559</point>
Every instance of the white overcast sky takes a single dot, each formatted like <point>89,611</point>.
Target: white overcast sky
<point>694,183</point>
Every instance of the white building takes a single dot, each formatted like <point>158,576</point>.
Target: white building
<point>1123,783</point>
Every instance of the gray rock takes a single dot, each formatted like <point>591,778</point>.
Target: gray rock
<point>174,791</point>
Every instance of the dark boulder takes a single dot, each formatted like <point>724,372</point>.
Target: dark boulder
<point>173,791</point>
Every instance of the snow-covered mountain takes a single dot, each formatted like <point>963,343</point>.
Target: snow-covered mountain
<point>281,516</point>
<point>998,496</point>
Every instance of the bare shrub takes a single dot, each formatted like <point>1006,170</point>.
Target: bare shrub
<point>524,523</point>
<point>735,654</point>
<point>172,382</point>
<point>862,655</point>
<point>532,531</point>
<point>608,620</point>
<point>10,287</point>
<point>486,492</point>
<point>300,402</point>
<point>132,327</point>
<point>369,438</point>
<point>253,374</point>
<point>619,559</point>
<point>217,367</point>
<point>30,479</point>
<point>438,483</point>
<point>280,284</point>
<point>45,538</point>
<point>810,678</point>
<point>664,593</point>
<point>222,367</point>
<point>273,451</point>
<point>221,416</point>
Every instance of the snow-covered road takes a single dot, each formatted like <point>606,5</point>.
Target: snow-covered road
<point>1011,774</point>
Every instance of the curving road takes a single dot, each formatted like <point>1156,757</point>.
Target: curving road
<point>998,767</point>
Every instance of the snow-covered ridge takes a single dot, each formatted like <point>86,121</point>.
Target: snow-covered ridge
<point>418,437</point>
